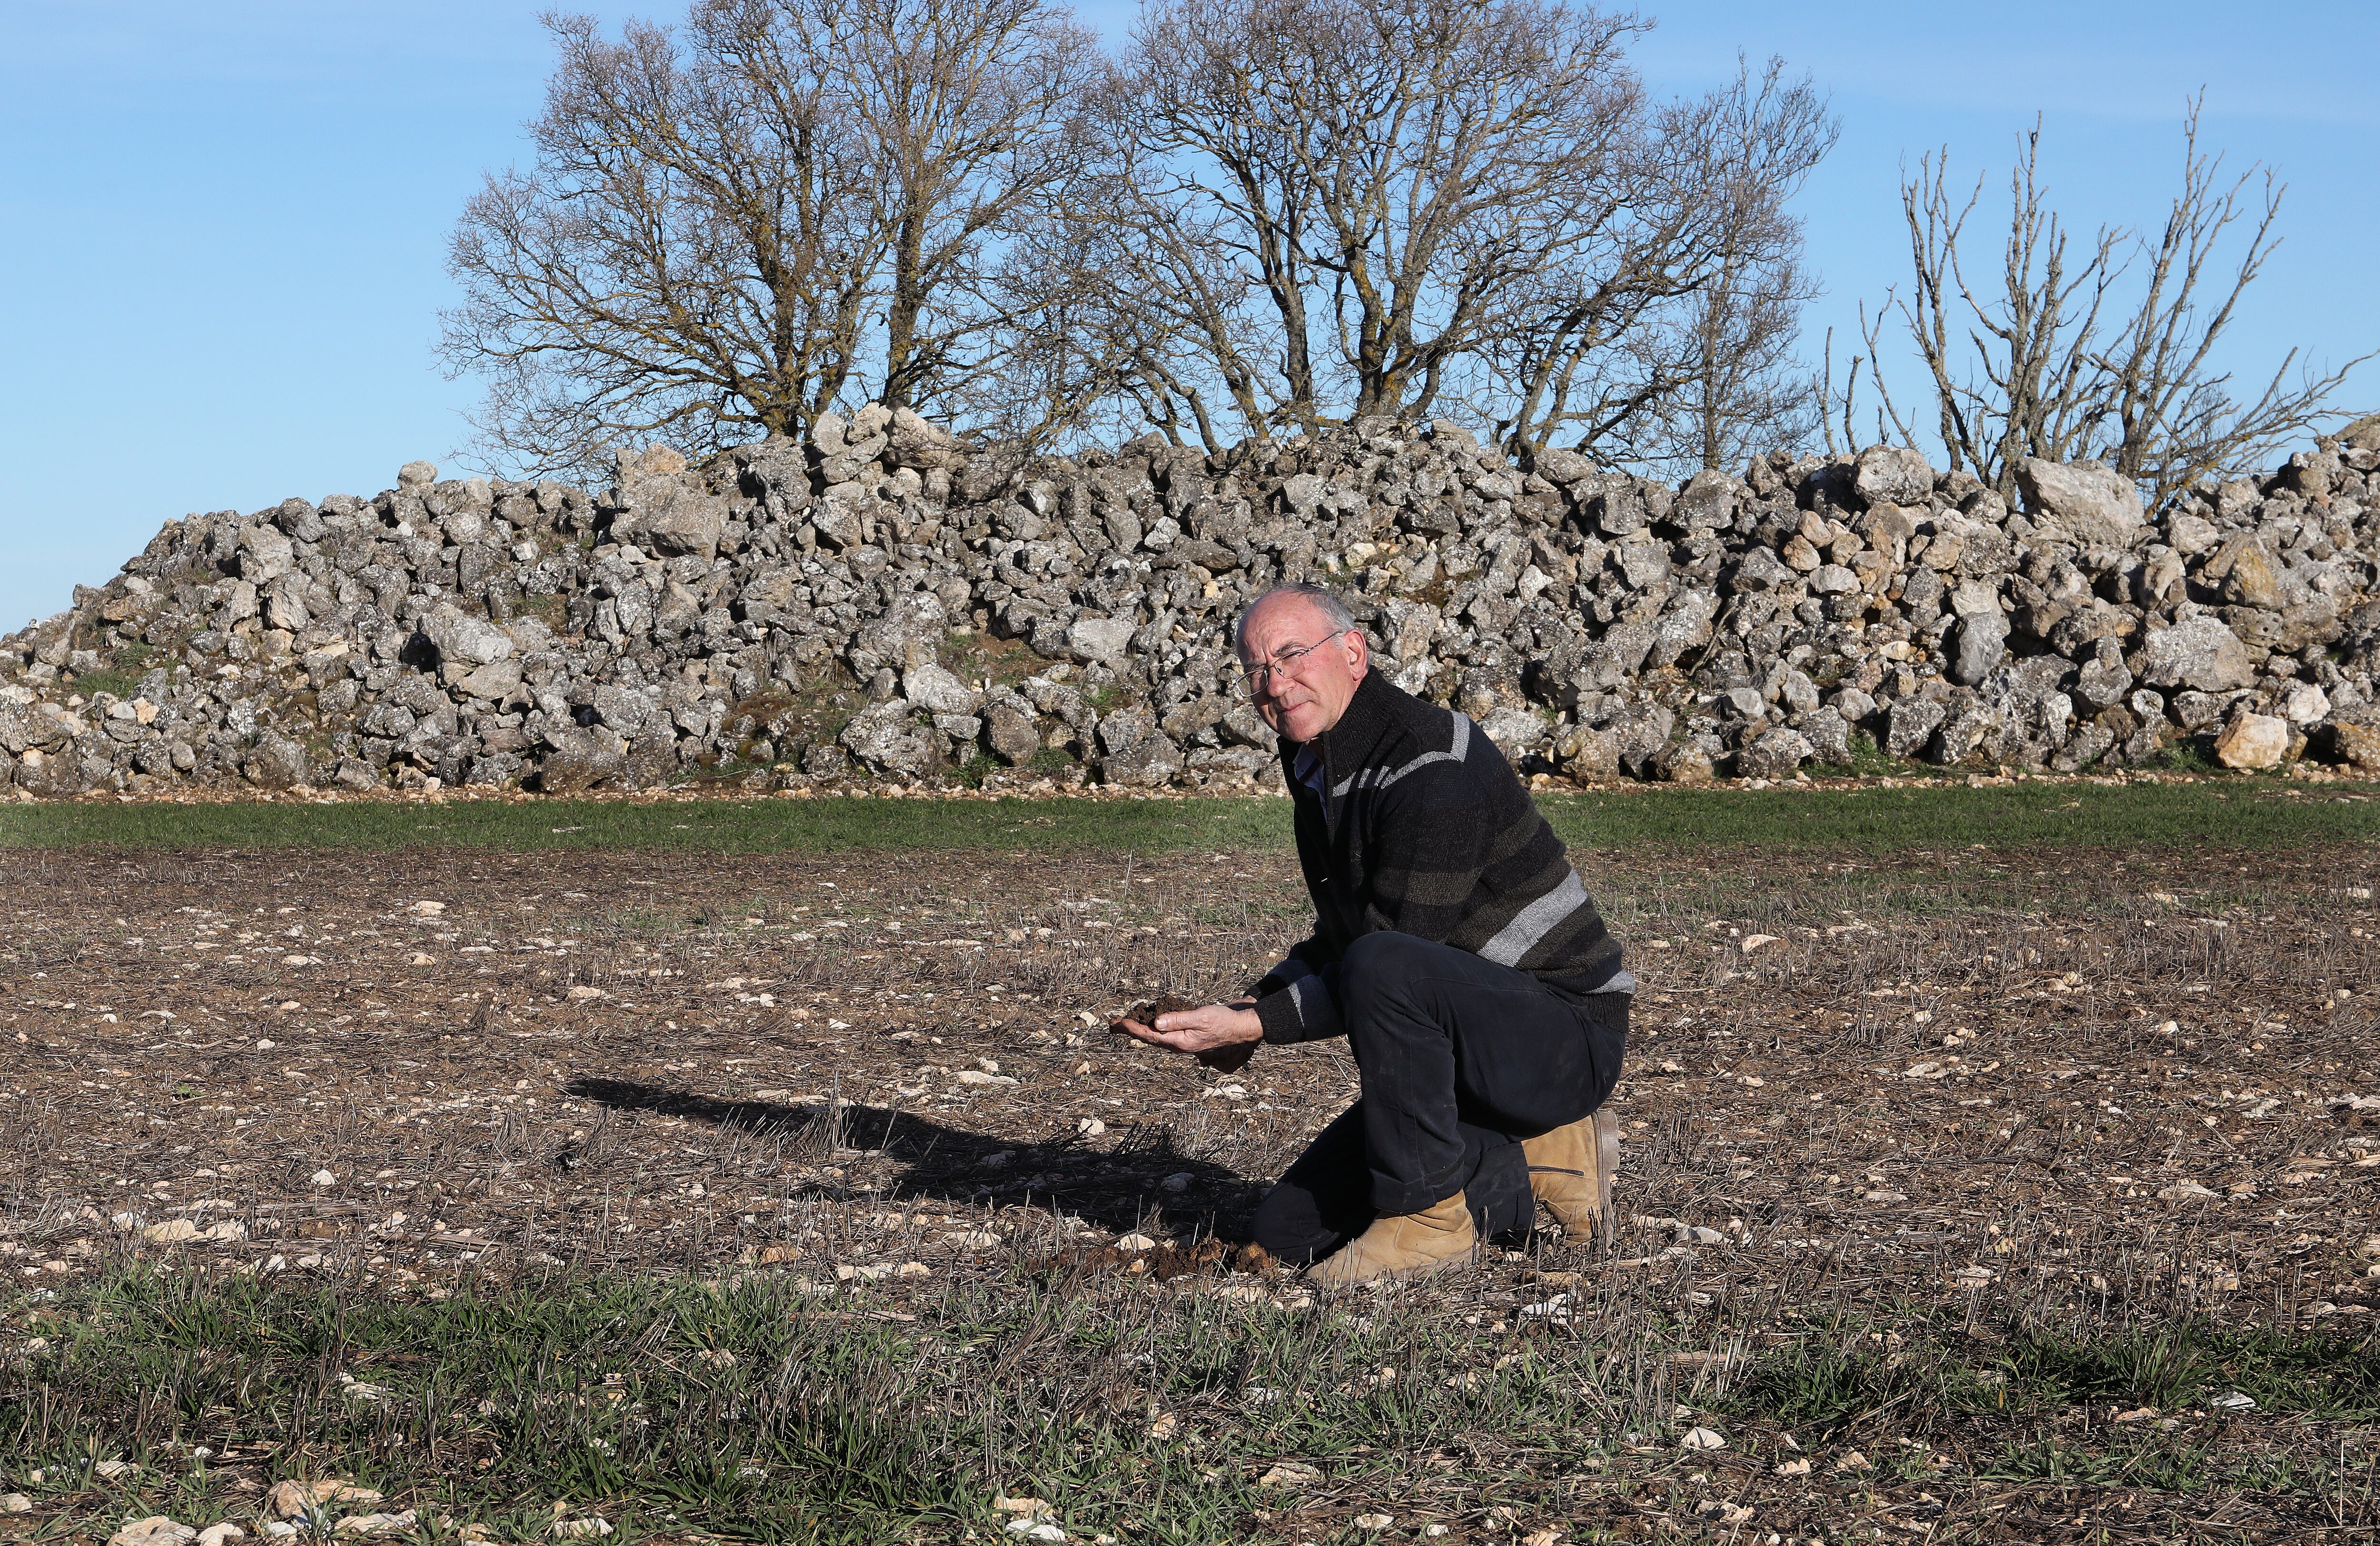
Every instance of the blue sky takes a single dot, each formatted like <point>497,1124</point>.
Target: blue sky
<point>226,221</point>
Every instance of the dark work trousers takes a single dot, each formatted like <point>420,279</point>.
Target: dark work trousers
<point>1461,1059</point>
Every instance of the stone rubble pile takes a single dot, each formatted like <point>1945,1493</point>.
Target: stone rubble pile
<point>888,603</point>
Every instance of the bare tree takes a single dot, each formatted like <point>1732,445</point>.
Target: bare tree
<point>973,107</point>
<point>2047,364</point>
<point>730,226</point>
<point>1326,209</point>
<point>1625,338</point>
<point>691,257</point>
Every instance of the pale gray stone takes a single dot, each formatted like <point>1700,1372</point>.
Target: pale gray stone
<point>1515,730</point>
<point>1010,729</point>
<point>1893,475</point>
<point>276,763</point>
<point>1910,724</point>
<point>265,555</point>
<point>1773,754</point>
<point>1101,640</point>
<point>884,738</point>
<point>2196,652</point>
<point>2086,502</point>
<point>1983,642</point>
<point>937,690</point>
<point>461,637</point>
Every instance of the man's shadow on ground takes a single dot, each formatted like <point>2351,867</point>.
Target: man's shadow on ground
<point>1145,1179</point>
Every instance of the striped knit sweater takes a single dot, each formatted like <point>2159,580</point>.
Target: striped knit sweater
<point>1427,832</point>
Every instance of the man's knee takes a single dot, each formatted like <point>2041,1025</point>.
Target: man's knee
<point>1379,966</point>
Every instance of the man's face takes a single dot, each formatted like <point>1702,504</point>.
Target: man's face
<point>1304,695</point>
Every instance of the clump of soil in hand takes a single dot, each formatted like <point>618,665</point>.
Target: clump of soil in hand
<point>1146,1012</point>
<point>1223,1060</point>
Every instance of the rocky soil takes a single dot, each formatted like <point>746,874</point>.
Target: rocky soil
<point>886,604</point>
<point>1979,1092</point>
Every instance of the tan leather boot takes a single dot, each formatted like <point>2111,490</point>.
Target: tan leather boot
<point>1570,1169</point>
<point>1408,1245</point>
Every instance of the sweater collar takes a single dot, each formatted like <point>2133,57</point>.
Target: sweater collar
<point>1348,743</point>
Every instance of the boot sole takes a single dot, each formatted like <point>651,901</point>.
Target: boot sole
<point>1397,1274</point>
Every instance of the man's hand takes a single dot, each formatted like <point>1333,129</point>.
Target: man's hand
<point>1221,1036</point>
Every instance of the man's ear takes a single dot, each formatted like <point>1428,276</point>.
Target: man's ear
<point>1359,654</point>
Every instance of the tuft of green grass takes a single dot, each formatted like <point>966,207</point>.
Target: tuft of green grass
<point>1867,761</point>
<point>760,1406</point>
<point>121,676</point>
<point>120,684</point>
<point>1936,1379</point>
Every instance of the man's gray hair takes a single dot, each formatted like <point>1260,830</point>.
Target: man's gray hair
<point>1334,611</point>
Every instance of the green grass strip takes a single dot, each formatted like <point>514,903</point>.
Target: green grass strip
<point>759,1409</point>
<point>2229,812</point>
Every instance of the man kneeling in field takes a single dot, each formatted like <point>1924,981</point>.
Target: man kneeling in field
<point>1454,946</point>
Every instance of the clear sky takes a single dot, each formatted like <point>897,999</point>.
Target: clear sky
<point>226,221</point>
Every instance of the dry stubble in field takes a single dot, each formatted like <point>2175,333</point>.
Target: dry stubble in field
<point>1976,1111</point>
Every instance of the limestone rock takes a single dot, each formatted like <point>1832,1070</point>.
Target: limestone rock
<point>302,1500</point>
<point>1587,753</point>
<point>493,682</point>
<point>1773,754</point>
<point>1909,725</point>
<point>1100,640</point>
<point>1982,641</point>
<point>155,1531</point>
<point>264,555</point>
<point>2190,534</point>
<point>937,690</point>
<point>908,634</point>
<point>2249,577</point>
<point>2304,703</point>
<point>2102,682</point>
<point>1563,469</point>
<point>582,760</point>
<point>2087,502</point>
<point>2196,652</point>
<point>1893,475</point>
<point>2358,746</point>
<point>1149,762</point>
<point>276,763</point>
<point>1010,729</point>
<point>2253,741</point>
<point>457,636</point>
<point>1515,730</point>
<point>884,739</point>
<point>1683,762</point>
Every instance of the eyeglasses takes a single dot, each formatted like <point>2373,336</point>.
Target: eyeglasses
<point>1252,679</point>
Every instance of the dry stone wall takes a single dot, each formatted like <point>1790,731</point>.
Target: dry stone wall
<point>886,604</point>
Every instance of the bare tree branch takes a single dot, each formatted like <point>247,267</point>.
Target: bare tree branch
<point>2034,367</point>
